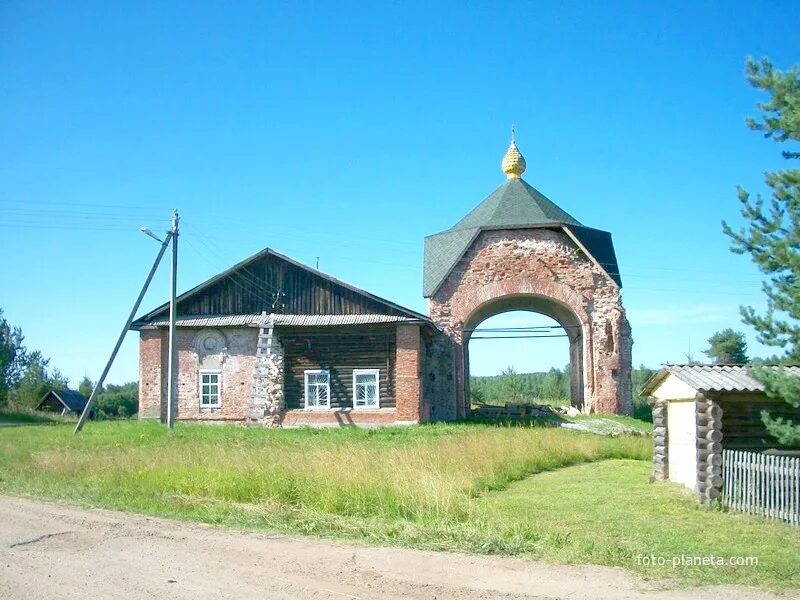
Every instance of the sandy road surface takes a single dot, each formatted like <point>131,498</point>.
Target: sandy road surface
<point>55,551</point>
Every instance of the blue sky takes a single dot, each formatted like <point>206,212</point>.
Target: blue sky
<point>349,131</point>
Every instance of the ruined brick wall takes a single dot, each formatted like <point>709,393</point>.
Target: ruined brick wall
<point>236,361</point>
<point>540,263</point>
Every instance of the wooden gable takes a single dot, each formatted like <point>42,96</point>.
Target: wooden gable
<point>274,283</point>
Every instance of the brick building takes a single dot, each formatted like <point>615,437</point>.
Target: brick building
<point>274,341</point>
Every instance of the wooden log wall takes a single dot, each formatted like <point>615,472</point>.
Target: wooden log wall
<point>743,427</point>
<point>339,353</point>
<point>708,417</point>
<point>660,434</point>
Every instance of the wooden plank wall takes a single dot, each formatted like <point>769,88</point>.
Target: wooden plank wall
<point>340,353</point>
<point>253,289</point>
<point>51,405</point>
<point>742,427</point>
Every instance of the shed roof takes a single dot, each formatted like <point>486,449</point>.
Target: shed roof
<point>514,205</point>
<point>712,378</point>
<point>71,399</point>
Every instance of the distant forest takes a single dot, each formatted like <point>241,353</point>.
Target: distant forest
<point>551,387</point>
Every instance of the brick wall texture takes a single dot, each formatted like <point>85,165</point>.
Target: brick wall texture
<point>537,264</point>
<point>237,361</point>
<point>407,372</point>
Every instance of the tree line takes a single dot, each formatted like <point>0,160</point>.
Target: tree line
<point>550,387</point>
<point>26,376</point>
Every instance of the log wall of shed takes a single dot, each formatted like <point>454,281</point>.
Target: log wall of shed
<point>52,404</point>
<point>742,425</point>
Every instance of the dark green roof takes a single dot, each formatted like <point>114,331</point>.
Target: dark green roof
<point>71,399</point>
<point>514,205</point>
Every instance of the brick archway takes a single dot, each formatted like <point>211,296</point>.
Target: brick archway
<point>543,270</point>
<point>519,294</point>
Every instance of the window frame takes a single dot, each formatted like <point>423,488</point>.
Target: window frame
<point>218,373</point>
<point>377,373</point>
<point>306,384</point>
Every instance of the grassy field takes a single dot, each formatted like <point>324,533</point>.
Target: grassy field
<point>21,415</point>
<point>550,493</point>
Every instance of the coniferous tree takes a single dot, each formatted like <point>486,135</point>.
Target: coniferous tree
<point>86,386</point>
<point>727,347</point>
<point>771,236</point>
<point>13,357</point>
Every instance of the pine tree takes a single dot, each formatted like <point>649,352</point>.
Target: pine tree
<point>771,237</point>
<point>86,386</point>
<point>727,347</point>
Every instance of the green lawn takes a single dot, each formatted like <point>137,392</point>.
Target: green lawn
<point>607,513</point>
<point>554,494</point>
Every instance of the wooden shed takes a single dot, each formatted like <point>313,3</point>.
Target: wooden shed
<point>701,410</point>
<point>63,402</point>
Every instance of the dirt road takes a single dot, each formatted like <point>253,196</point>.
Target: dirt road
<point>55,551</point>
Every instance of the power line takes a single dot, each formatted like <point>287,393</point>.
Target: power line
<point>246,274</point>
<point>516,337</point>
<point>247,286</point>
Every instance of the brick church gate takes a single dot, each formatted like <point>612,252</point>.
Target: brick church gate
<point>517,250</point>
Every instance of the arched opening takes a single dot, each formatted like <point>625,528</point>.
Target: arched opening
<point>527,332</point>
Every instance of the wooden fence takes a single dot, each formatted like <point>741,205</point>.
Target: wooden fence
<point>762,484</point>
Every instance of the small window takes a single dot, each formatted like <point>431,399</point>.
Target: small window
<point>318,389</point>
<point>209,389</point>
<point>365,388</point>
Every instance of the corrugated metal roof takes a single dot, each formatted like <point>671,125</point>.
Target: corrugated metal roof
<point>316,320</point>
<point>712,378</point>
<point>214,321</point>
<point>281,320</point>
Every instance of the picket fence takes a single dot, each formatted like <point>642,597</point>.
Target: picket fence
<point>762,484</point>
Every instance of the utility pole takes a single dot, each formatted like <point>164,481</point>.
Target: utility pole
<point>173,234</point>
<point>99,385</point>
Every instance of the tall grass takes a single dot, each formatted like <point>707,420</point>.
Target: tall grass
<point>421,473</point>
<point>424,486</point>
<point>22,414</point>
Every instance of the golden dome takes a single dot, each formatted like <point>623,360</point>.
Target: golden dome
<point>513,162</point>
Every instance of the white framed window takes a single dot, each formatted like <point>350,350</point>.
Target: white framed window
<point>318,389</point>
<point>209,388</point>
<point>366,389</point>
